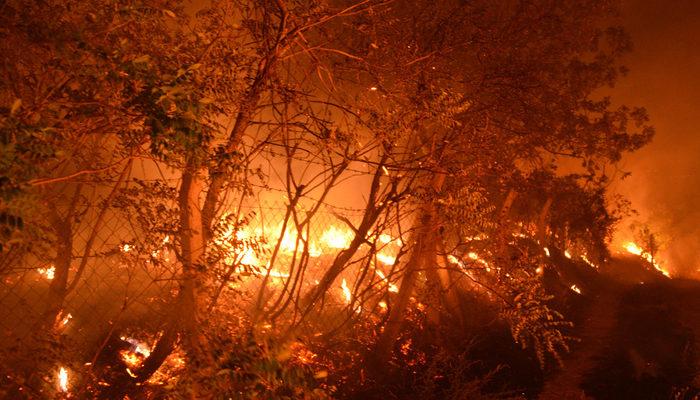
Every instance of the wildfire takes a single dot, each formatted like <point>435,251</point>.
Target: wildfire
<point>633,248</point>
<point>480,260</point>
<point>589,262</point>
<point>347,293</point>
<point>48,272</point>
<point>391,287</point>
<point>134,356</point>
<point>64,321</point>
<point>386,259</point>
<point>385,238</point>
<point>336,238</point>
<point>63,379</point>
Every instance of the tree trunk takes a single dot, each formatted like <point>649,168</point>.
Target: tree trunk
<point>62,262</point>
<point>542,222</point>
<point>422,257</point>
<point>184,320</point>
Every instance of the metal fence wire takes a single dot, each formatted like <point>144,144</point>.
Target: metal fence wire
<point>120,282</point>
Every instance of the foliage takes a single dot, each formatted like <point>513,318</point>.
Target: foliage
<point>443,108</point>
<point>249,367</point>
<point>533,323</point>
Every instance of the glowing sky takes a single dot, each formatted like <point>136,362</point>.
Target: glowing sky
<point>665,78</point>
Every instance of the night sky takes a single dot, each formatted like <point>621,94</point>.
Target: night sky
<point>665,78</point>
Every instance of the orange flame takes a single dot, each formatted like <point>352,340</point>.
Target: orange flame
<point>336,238</point>
<point>48,272</point>
<point>633,248</point>
<point>346,291</point>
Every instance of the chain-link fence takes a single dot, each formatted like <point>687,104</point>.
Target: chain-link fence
<point>120,280</point>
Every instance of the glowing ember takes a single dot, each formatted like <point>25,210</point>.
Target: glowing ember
<point>48,272</point>
<point>63,380</point>
<point>539,270</point>
<point>382,304</point>
<point>335,238</point>
<point>587,261</point>
<point>66,319</point>
<point>126,247</point>
<point>575,289</point>
<point>480,260</point>
<point>546,251</point>
<point>567,254</point>
<point>137,352</point>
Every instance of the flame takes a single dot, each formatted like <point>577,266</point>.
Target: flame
<point>336,238</point>
<point>135,355</point>
<point>391,287</point>
<point>66,319</point>
<point>346,291</point>
<point>633,248</point>
<point>587,261</point>
<point>48,272</point>
<point>248,257</point>
<point>63,380</point>
<point>575,289</point>
<point>567,254</point>
<point>480,260</point>
<point>386,259</point>
<point>348,295</point>
<point>546,251</point>
<point>382,304</point>
<point>275,274</point>
<point>126,247</point>
<point>455,260</point>
<point>385,238</point>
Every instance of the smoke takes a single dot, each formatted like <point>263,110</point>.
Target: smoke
<point>665,78</point>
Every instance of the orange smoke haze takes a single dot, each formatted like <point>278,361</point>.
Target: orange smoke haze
<point>665,78</point>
